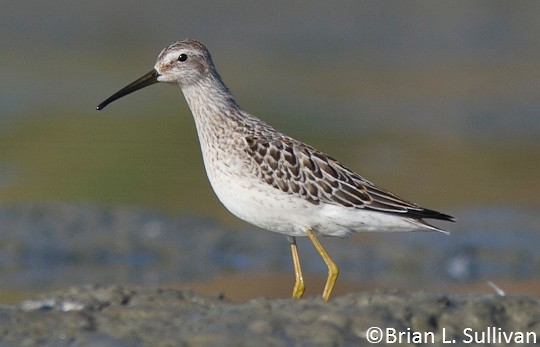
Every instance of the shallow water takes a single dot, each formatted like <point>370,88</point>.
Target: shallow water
<point>53,246</point>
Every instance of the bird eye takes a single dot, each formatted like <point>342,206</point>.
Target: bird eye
<point>182,57</point>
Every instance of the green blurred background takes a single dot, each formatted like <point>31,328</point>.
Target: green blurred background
<point>436,101</point>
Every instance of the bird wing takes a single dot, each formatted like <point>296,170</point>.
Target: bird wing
<point>301,170</point>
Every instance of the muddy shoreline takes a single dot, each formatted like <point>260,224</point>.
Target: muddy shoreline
<point>157,316</point>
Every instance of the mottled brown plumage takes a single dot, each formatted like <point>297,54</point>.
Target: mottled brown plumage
<point>301,170</point>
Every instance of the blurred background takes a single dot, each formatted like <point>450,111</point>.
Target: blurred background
<point>436,101</point>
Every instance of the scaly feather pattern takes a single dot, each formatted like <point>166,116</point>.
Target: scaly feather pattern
<point>295,168</point>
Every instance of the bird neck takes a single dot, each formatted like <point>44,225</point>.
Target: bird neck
<point>209,97</point>
<point>212,105</point>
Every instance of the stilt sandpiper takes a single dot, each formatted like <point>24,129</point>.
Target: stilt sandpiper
<point>270,179</point>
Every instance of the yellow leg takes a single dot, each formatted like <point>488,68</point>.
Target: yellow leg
<point>333,270</point>
<point>299,287</point>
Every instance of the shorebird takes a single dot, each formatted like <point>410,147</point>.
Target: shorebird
<point>272,180</point>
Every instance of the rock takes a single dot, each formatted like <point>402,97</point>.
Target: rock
<point>150,316</point>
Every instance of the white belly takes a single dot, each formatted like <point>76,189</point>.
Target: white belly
<point>261,204</point>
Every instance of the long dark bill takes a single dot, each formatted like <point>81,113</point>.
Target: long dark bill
<point>146,80</point>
